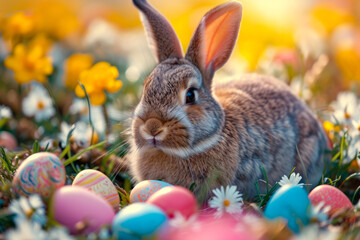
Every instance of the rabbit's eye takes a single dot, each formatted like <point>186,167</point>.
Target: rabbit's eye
<point>191,96</point>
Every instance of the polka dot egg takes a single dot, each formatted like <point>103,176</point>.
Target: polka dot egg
<point>40,173</point>
<point>331,196</point>
<point>100,184</point>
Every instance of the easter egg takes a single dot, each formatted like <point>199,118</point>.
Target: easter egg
<point>291,203</point>
<point>174,199</point>
<point>143,190</point>
<point>209,228</point>
<point>138,221</point>
<point>331,196</point>
<point>7,140</point>
<point>73,206</point>
<point>100,184</point>
<point>40,173</point>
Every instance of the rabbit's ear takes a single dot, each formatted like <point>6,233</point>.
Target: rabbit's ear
<point>214,39</point>
<point>161,36</point>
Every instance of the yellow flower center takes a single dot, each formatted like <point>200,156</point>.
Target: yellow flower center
<point>41,105</point>
<point>226,203</point>
<point>29,65</point>
<point>358,127</point>
<point>347,115</point>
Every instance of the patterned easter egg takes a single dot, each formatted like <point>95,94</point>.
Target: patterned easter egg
<point>100,184</point>
<point>174,199</point>
<point>331,196</point>
<point>73,205</point>
<point>138,221</point>
<point>143,190</point>
<point>40,173</point>
<point>291,203</point>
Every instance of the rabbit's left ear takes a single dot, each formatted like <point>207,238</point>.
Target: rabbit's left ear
<point>161,36</point>
<point>214,39</point>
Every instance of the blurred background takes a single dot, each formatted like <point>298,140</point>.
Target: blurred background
<point>313,45</point>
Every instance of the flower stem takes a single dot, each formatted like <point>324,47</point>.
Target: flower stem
<point>107,120</point>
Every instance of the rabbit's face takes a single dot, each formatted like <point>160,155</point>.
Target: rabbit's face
<point>176,114</point>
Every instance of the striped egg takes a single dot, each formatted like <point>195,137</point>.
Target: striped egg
<point>98,183</point>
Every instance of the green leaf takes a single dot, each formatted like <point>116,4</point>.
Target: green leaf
<point>6,161</point>
<point>72,129</point>
<point>353,198</point>
<point>76,156</point>
<point>36,147</point>
<point>192,187</point>
<point>89,106</point>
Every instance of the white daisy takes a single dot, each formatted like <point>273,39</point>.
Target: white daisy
<point>26,230</point>
<point>226,201</point>
<point>80,106</point>
<point>28,208</point>
<point>345,107</point>
<point>5,112</point>
<point>38,103</point>
<point>357,206</point>
<point>293,180</point>
<point>298,87</point>
<point>179,221</point>
<point>319,212</point>
<point>81,135</point>
<point>314,232</point>
<point>59,233</point>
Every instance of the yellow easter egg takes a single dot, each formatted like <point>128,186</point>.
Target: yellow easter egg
<point>100,184</point>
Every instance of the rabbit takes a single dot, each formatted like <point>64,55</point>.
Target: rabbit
<point>188,130</point>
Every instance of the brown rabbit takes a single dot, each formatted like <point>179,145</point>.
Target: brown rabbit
<point>187,130</point>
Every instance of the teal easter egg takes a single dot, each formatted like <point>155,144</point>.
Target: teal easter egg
<point>138,221</point>
<point>291,203</point>
<point>40,173</point>
<point>143,190</point>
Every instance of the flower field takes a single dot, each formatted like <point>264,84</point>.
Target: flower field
<point>71,75</point>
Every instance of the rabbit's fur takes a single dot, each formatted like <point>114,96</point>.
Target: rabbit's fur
<point>231,130</point>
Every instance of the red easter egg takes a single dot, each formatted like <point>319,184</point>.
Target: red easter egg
<point>331,196</point>
<point>173,199</point>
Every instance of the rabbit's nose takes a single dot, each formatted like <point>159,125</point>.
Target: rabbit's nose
<point>153,126</point>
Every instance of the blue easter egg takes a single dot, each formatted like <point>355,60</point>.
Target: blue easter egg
<point>143,190</point>
<point>291,203</point>
<point>138,221</point>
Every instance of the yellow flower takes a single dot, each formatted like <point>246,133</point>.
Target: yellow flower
<point>348,59</point>
<point>42,40</point>
<point>55,18</point>
<point>19,24</point>
<point>29,64</point>
<point>73,66</point>
<point>102,76</point>
<point>330,15</point>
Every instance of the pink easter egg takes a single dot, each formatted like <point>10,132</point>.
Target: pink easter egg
<point>143,190</point>
<point>209,228</point>
<point>100,184</point>
<point>72,205</point>
<point>40,173</point>
<point>331,196</point>
<point>7,140</point>
<point>174,199</point>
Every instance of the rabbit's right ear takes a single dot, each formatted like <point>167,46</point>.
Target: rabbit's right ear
<point>214,39</point>
<point>161,36</point>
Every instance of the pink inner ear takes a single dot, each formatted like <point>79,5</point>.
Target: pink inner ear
<point>221,30</point>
